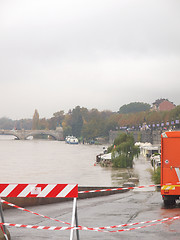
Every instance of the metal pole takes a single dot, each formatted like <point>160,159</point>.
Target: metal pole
<point>77,230</point>
<point>73,218</point>
<point>2,220</point>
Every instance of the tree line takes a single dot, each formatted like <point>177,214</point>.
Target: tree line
<point>90,124</point>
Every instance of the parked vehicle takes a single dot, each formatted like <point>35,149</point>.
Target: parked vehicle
<point>155,160</point>
<point>170,167</point>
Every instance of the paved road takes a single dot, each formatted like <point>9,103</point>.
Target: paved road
<point>129,207</point>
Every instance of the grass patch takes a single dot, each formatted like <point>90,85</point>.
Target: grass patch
<point>156,176</point>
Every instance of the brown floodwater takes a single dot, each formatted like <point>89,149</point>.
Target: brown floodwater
<point>45,161</point>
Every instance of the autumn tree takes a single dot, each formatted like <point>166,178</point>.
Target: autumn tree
<point>56,120</point>
<point>43,124</point>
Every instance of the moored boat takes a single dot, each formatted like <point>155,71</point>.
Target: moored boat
<point>71,140</point>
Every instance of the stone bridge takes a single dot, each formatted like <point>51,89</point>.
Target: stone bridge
<point>24,134</point>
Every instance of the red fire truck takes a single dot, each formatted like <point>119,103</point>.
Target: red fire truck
<point>170,167</point>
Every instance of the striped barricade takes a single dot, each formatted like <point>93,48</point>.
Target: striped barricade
<point>42,191</point>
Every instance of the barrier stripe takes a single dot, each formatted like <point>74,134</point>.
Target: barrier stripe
<point>131,224</point>
<point>37,227</point>
<point>46,190</point>
<point>136,228</point>
<point>8,190</point>
<point>39,190</point>
<point>26,190</point>
<point>5,235</point>
<point>65,191</point>
<point>54,228</point>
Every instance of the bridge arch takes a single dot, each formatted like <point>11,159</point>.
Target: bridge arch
<point>10,133</point>
<point>35,133</point>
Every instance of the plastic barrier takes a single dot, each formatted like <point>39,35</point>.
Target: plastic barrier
<point>42,190</point>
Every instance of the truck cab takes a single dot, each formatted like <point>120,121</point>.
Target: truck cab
<point>170,167</point>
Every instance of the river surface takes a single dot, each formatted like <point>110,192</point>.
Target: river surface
<point>45,161</point>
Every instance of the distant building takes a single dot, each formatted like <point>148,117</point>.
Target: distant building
<point>162,105</point>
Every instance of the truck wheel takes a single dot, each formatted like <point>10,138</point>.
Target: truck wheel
<point>169,201</point>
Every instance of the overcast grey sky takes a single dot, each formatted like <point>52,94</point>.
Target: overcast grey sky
<point>57,54</point>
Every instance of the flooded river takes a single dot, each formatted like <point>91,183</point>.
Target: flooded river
<point>43,161</point>
<point>40,161</point>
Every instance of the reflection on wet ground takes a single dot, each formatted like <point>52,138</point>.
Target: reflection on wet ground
<point>141,170</point>
<point>169,212</point>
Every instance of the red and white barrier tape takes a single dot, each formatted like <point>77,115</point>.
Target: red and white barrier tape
<point>26,210</point>
<point>126,188</point>
<point>5,235</point>
<point>37,227</point>
<point>130,224</point>
<point>55,228</point>
<point>136,228</point>
<point>100,229</point>
<point>116,189</point>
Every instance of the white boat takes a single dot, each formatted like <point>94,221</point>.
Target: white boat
<point>71,140</point>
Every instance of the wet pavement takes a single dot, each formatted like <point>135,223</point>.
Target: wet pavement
<point>130,207</point>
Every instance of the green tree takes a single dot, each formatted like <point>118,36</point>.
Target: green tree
<point>76,121</point>
<point>93,129</point>
<point>95,126</point>
<point>67,131</point>
<point>123,151</point>
<point>59,117</point>
<point>156,176</point>
<point>134,107</point>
